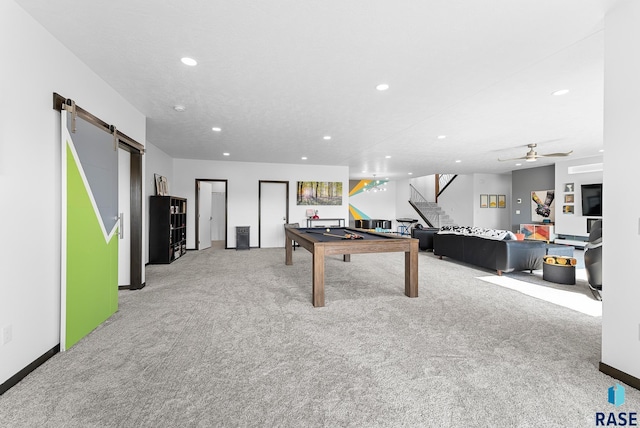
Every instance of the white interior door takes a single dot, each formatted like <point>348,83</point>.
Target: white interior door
<point>273,214</point>
<point>124,210</point>
<point>217,214</point>
<point>204,215</point>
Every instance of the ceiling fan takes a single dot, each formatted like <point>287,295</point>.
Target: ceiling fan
<point>532,155</point>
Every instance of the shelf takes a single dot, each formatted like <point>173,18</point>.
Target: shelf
<point>167,229</point>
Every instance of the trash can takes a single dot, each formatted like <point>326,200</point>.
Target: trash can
<point>242,238</point>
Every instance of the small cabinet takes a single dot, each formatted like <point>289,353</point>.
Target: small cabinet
<point>540,232</point>
<point>167,229</point>
<point>242,237</point>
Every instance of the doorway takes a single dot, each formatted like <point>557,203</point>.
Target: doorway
<point>211,213</point>
<point>124,211</point>
<point>273,213</point>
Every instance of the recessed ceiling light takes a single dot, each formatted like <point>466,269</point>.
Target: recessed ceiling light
<point>458,161</point>
<point>518,164</point>
<point>327,137</point>
<point>179,107</point>
<point>560,92</point>
<point>387,157</point>
<point>189,61</point>
<point>303,158</point>
<point>441,137</point>
<point>410,173</point>
<point>601,150</point>
<point>386,178</point>
<point>364,172</point>
<point>225,154</point>
<point>382,87</point>
<point>216,129</point>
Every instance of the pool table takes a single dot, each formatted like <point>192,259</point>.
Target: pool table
<point>321,242</point>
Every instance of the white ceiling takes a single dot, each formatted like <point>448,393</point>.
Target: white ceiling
<point>279,75</point>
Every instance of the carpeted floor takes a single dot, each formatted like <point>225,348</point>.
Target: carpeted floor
<point>230,338</point>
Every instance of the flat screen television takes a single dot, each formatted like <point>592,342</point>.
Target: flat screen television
<point>592,199</point>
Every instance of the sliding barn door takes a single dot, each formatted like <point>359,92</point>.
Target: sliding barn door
<point>89,225</point>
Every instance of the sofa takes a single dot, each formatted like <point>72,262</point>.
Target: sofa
<point>424,236</point>
<point>491,250</point>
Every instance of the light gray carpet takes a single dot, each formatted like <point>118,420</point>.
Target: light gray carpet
<point>230,338</point>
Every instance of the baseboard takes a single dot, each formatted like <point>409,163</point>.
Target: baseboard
<point>620,375</point>
<point>129,287</point>
<point>13,380</point>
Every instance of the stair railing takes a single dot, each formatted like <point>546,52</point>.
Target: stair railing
<point>442,182</point>
<point>419,202</point>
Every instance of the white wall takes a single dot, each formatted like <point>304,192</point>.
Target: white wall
<point>573,224</point>
<point>34,66</point>
<point>242,191</point>
<point>621,206</point>
<point>156,162</point>
<point>457,201</point>
<point>491,184</point>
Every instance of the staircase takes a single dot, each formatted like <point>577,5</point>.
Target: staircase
<point>430,212</point>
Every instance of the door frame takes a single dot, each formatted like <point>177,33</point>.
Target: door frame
<point>226,207</point>
<point>260,205</point>
<point>135,217</point>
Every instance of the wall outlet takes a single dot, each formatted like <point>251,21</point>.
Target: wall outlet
<point>7,334</point>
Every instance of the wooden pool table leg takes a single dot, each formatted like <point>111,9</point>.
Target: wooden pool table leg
<point>411,271</point>
<point>288,254</point>
<point>318,276</point>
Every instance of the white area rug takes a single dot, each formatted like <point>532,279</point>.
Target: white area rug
<point>576,301</point>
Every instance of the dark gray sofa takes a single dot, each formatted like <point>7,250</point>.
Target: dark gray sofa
<point>498,255</point>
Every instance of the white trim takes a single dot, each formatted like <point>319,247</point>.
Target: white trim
<point>63,227</point>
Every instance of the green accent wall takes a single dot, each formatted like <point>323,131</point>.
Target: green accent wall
<point>92,263</point>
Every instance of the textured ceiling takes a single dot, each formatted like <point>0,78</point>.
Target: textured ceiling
<point>279,75</point>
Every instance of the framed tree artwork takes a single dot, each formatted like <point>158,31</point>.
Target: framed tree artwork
<point>484,201</point>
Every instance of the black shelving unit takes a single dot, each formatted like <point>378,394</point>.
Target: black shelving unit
<point>167,229</point>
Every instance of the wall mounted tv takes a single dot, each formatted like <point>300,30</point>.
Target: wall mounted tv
<point>592,199</point>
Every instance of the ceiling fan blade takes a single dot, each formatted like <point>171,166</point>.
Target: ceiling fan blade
<point>512,159</point>
<point>550,155</point>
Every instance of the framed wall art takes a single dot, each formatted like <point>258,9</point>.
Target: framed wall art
<point>319,193</point>
<point>502,201</point>
<point>484,201</point>
<point>493,201</point>
<point>543,206</point>
<point>162,186</point>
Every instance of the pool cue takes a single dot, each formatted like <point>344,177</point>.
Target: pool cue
<point>327,234</point>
